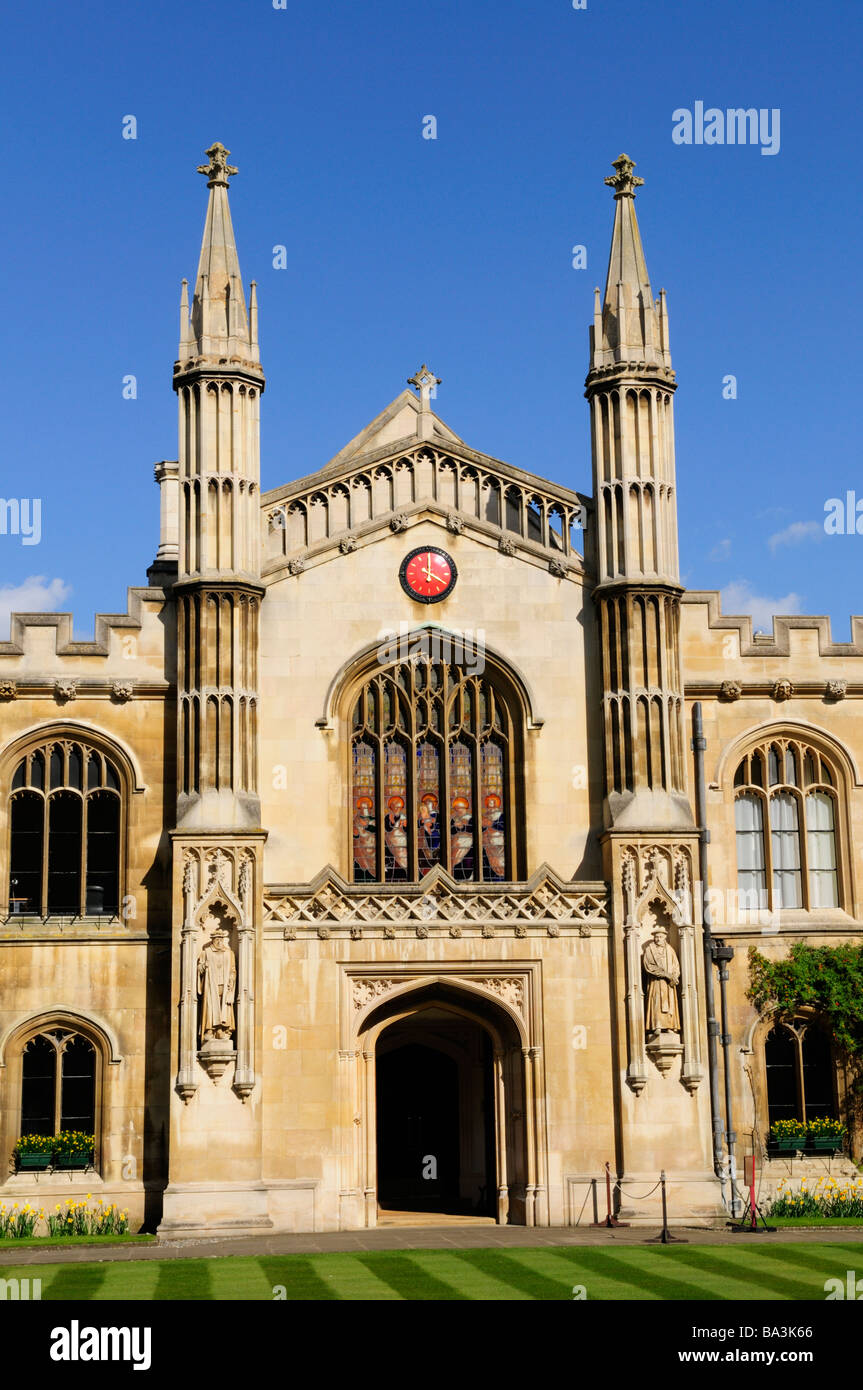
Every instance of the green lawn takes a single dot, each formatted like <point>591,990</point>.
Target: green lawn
<point>787,1223</point>
<point>628,1272</point>
<point>55,1242</point>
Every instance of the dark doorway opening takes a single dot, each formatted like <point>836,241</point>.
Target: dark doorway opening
<point>434,1122</point>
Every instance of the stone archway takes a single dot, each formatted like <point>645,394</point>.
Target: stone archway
<point>434,1115</point>
<point>486,1048</point>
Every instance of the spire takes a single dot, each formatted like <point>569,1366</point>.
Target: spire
<point>630,331</point>
<point>219,324</point>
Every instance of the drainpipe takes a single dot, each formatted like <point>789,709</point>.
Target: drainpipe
<point>722,954</point>
<point>699,743</point>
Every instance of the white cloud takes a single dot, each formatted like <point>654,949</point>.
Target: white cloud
<point>35,595</point>
<point>797,532</point>
<point>738,597</point>
<point>722,550</point>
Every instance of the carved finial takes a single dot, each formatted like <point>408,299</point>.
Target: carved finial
<point>218,170</point>
<point>424,381</point>
<point>624,182</point>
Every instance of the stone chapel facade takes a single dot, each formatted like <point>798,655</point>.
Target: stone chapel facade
<point>354,870</point>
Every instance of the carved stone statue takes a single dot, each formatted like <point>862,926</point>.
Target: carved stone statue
<point>217,985</point>
<point>663,969</point>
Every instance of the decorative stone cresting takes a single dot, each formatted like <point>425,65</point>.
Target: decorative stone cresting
<point>546,906</point>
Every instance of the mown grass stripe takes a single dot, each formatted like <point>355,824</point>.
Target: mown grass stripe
<point>704,1283</point>
<point>745,1274</point>
<point>350,1279</point>
<point>180,1280</point>
<point>296,1275</point>
<point>410,1278</point>
<point>477,1284</point>
<point>820,1261</point>
<point>131,1280</point>
<point>75,1281</point>
<point>510,1267</point>
<point>240,1279</point>
<point>560,1273</point>
<point>604,1271</point>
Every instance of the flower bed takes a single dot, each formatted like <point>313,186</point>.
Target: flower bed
<point>77,1219</point>
<point>826,1197</point>
<point>69,1219</point>
<point>19,1223</point>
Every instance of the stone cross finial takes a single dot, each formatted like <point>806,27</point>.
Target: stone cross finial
<point>624,182</point>
<point>424,381</point>
<point>218,170</point>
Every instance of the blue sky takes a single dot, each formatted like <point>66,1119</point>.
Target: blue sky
<point>454,251</point>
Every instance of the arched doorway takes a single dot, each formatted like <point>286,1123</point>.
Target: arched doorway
<point>447,1118</point>
<point>435,1116</point>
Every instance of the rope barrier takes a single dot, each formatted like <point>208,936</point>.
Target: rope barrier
<point>644,1195</point>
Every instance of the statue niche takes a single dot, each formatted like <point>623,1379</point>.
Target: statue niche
<point>661,967</point>
<point>217,993</point>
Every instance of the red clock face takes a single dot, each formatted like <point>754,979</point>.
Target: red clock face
<point>427,574</point>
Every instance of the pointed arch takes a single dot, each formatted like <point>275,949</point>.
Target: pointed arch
<point>789,784</point>
<point>433,736</point>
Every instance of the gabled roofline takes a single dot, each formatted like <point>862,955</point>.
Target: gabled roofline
<point>410,445</point>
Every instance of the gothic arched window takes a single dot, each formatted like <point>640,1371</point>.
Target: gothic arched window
<point>58,1083</point>
<point>785,813</point>
<point>433,775</point>
<point>800,1072</point>
<point>64,849</point>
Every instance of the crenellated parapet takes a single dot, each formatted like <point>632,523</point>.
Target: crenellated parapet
<point>54,632</point>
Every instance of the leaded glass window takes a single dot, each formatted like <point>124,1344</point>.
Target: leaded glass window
<point>432,775</point>
<point>64,849</point>
<point>785,815</point>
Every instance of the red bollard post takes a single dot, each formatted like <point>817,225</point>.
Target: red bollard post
<point>610,1220</point>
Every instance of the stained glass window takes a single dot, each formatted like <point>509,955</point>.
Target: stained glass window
<point>432,775</point>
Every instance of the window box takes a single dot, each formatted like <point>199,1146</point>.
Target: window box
<point>33,1159</point>
<point>790,1143</point>
<point>826,1143</point>
<point>74,1158</point>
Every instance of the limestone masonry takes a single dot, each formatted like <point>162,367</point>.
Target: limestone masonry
<point>356,870</point>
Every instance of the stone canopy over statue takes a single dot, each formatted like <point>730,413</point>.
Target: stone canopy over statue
<point>217,985</point>
<point>663,971</point>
